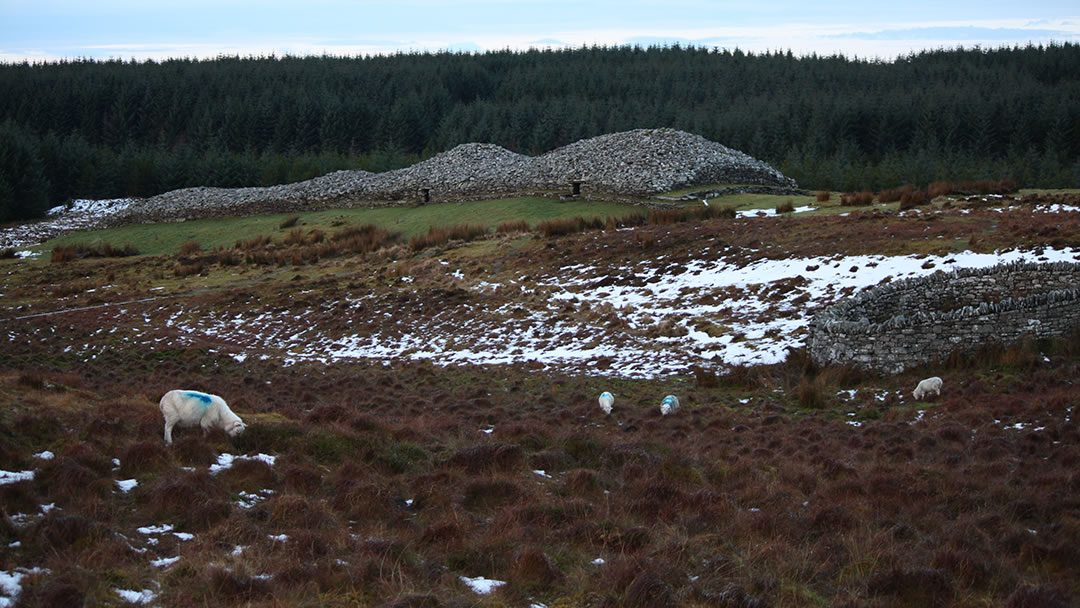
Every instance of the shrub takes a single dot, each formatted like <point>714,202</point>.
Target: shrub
<point>61,255</point>
<point>127,250</point>
<point>810,394</point>
<point>786,207</point>
<point>186,270</point>
<point>937,189</point>
<point>289,222</point>
<point>441,235</point>
<point>294,237</point>
<point>894,195</point>
<point>190,248</point>
<point>359,239</point>
<point>910,200</point>
<point>78,251</point>
<point>7,253</point>
<point>983,187</point>
<point>824,196</point>
<point>255,242</point>
<point>662,217</point>
<point>857,199</point>
<point>569,225</point>
<point>513,226</point>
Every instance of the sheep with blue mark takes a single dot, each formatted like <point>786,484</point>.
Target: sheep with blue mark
<point>669,405</point>
<point>191,408</point>
<point>607,401</point>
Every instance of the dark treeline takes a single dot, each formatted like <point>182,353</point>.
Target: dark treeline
<point>97,129</point>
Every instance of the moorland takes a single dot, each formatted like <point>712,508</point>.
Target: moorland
<point>421,395</point>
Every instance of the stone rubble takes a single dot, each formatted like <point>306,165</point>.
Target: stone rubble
<point>912,322</point>
<point>635,163</point>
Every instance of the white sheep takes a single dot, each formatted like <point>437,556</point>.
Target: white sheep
<point>669,405</point>
<point>927,386</point>
<point>190,408</point>
<point>607,401</point>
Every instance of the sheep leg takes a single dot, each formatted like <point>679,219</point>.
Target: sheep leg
<point>169,424</point>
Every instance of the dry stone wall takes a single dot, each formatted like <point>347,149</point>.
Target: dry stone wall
<point>913,322</point>
<point>633,163</point>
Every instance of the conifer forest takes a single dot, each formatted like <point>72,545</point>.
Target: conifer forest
<point>104,129</point>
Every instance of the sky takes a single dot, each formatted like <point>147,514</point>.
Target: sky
<point>45,30</point>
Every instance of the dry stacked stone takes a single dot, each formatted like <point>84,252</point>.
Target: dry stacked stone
<point>914,322</point>
<point>633,163</point>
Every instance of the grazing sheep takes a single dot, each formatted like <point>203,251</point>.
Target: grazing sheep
<point>190,408</point>
<point>930,385</point>
<point>669,405</point>
<point>607,401</point>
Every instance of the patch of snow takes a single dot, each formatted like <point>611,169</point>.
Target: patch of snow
<point>165,561</point>
<point>126,485</point>
<point>10,587</point>
<point>225,461</point>
<point>46,455</point>
<point>136,597</point>
<point>751,213</point>
<point>481,585</point>
<point>80,215</point>
<point>280,538</point>
<point>7,477</point>
<point>249,499</point>
<point>155,529</point>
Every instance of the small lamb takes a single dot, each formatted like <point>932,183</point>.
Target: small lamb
<point>926,387</point>
<point>190,408</point>
<point>607,401</point>
<point>669,405</point>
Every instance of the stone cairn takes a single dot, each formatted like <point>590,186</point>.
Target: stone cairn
<point>918,321</point>
<point>635,163</point>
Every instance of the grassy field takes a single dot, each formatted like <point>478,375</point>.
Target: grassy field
<point>165,239</point>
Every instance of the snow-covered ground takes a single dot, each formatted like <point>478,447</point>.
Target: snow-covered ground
<point>718,313</point>
<point>80,215</point>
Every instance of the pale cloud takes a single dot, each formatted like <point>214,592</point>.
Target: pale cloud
<point>51,29</point>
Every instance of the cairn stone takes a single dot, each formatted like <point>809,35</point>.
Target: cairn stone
<point>635,163</point>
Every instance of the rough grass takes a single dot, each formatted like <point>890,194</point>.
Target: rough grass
<point>769,487</point>
<point>165,239</point>
<point>777,502</point>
